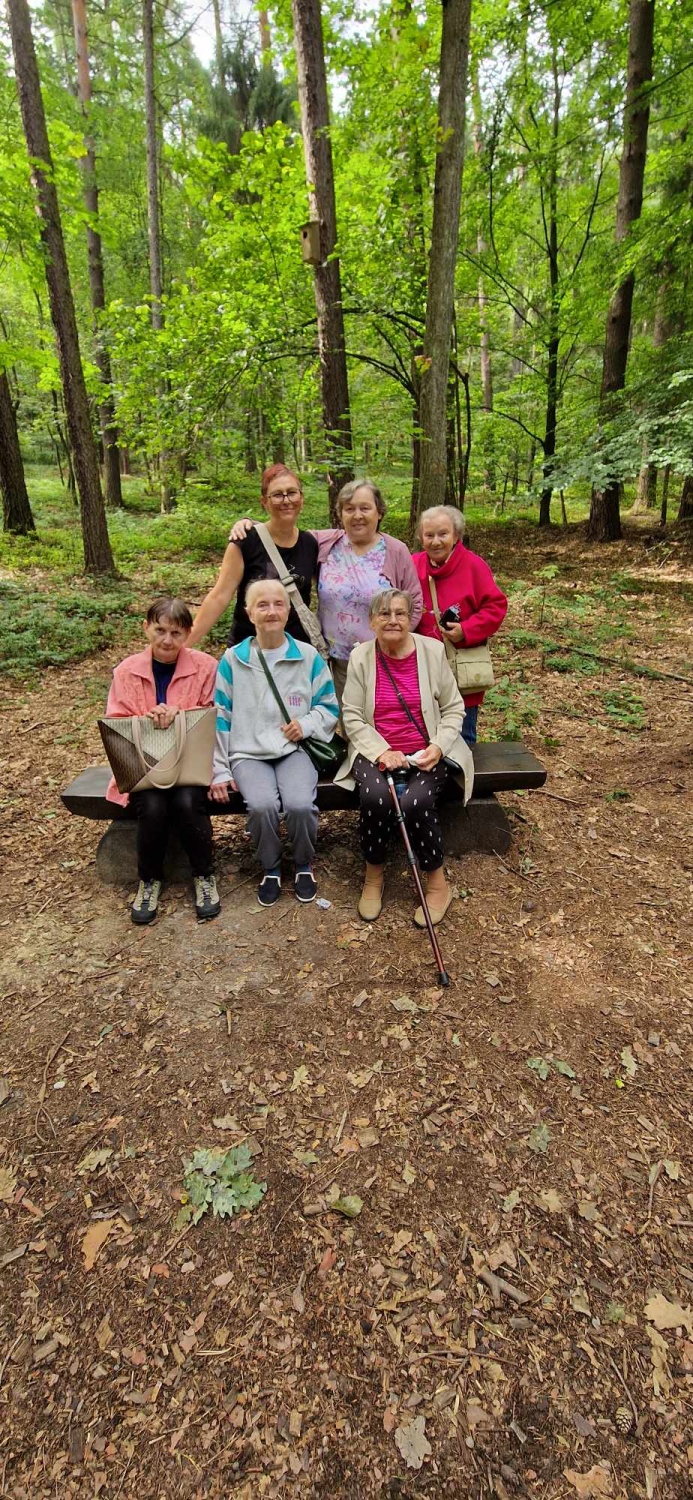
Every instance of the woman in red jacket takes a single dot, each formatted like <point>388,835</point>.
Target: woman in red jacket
<point>466,589</point>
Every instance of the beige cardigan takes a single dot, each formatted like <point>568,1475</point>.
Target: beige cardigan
<point>441,706</point>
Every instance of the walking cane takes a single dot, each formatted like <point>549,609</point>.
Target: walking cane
<point>443,977</point>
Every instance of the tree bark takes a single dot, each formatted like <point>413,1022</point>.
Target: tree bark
<point>17,517</point>
<point>549,444</point>
<point>265,37</point>
<point>443,253</point>
<point>107,418</point>
<point>686,503</point>
<point>646,494</point>
<point>315,123</point>
<point>218,46</point>
<point>156,281</point>
<point>486,368</point>
<point>98,557</point>
<point>605,518</point>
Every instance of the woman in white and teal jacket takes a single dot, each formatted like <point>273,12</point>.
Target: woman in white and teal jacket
<point>258,753</point>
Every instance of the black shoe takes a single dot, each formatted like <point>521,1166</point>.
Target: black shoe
<point>146,902</point>
<point>305,885</point>
<point>207,903</point>
<point>269,890</point>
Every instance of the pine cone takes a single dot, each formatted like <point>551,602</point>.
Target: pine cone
<point>624,1420</point>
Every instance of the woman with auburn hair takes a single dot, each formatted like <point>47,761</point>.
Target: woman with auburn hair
<point>246,559</point>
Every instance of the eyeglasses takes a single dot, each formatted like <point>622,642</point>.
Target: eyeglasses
<point>393,614</point>
<point>284,495</point>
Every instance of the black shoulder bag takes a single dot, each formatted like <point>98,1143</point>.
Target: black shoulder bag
<point>327,758</point>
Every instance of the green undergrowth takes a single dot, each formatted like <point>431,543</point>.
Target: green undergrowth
<point>48,629</point>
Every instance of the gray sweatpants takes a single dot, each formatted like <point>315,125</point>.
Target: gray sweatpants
<point>271,788</point>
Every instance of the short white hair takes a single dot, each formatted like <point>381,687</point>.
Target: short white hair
<point>261,583</point>
<point>454,516</point>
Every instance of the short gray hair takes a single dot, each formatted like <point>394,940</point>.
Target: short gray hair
<point>455,517</point>
<point>259,583</point>
<point>381,600</point>
<point>348,491</point>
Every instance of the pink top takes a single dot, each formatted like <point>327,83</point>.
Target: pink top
<point>133,691</point>
<point>466,580</point>
<point>389,717</point>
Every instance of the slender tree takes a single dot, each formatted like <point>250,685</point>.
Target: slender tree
<point>97,288</point>
<point>686,501</point>
<point>98,557</point>
<point>443,252</point>
<point>554,328</point>
<point>605,518</point>
<point>481,249</point>
<point>156,278</point>
<point>16,508</point>
<point>315,122</point>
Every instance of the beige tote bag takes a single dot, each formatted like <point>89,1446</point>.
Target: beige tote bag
<point>142,756</point>
<point>471,666</point>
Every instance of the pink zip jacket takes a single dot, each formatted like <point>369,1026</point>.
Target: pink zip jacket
<point>398,567</point>
<point>464,579</point>
<point>133,691</point>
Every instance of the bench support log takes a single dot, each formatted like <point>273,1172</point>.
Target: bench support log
<point>480,828</point>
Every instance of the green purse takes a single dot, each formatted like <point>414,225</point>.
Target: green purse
<point>327,758</point>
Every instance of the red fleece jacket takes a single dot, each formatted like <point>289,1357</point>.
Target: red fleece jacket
<point>465,580</point>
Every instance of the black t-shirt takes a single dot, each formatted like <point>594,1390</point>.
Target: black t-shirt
<point>301,561</point>
<point>163,672</point>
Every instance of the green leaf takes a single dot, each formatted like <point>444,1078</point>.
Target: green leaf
<point>350,1205</point>
<point>539,1065</point>
<point>563,1068</point>
<point>538,1139</point>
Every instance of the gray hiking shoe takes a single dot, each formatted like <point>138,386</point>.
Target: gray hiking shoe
<point>146,902</point>
<point>207,903</point>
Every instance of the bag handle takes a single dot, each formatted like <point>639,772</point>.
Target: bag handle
<point>422,730</point>
<point>450,650</point>
<point>167,778</point>
<point>308,620</point>
<point>273,686</point>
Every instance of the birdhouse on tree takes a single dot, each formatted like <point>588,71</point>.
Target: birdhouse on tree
<point>310,243</point>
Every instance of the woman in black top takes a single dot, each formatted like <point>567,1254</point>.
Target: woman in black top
<point>246,560</point>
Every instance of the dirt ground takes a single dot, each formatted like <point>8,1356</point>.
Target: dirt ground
<point>511,1311</point>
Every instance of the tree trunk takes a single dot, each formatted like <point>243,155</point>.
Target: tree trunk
<point>605,519</point>
<point>646,493</point>
<point>443,253</point>
<point>98,557</point>
<point>265,37</point>
<point>486,369</point>
<point>107,420</point>
<point>16,509</point>
<point>665,495</point>
<point>218,46</point>
<point>686,503</point>
<point>549,444</point>
<point>315,123</point>
<point>154,221</point>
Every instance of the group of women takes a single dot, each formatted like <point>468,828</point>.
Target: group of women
<point>377,651</point>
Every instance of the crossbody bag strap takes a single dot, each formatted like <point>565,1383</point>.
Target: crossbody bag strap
<point>421,728</point>
<point>434,599</point>
<point>308,620</point>
<point>273,686</point>
<point>450,650</point>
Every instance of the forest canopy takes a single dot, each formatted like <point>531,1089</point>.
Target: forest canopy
<point>186,177</point>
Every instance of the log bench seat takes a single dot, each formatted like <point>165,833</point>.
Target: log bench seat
<point>480,827</point>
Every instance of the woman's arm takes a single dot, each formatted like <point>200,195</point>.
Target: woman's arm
<point>219,597</point>
<point>223,701</point>
<point>491,607</point>
<point>406,577</point>
<point>450,704</point>
<point>321,719</point>
<point>360,733</point>
<point>120,705</point>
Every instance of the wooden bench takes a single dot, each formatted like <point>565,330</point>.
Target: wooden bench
<point>480,827</point>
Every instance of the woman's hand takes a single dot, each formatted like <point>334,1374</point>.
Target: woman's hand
<point>427,759</point>
<point>392,760</point>
<point>241,529</point>
<point>454,634</point>
<point>293,731</point>
<point>162,716</point>
<point>220,792</point>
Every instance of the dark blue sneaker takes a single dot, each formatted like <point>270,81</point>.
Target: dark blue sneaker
<point>305,885</point>
<point>269,890</point>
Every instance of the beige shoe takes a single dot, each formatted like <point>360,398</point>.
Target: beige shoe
<point>371,903</point>
<point>437,910</point>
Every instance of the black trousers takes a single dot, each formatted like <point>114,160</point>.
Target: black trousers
<point>418,803</point>
<point>186,808</point>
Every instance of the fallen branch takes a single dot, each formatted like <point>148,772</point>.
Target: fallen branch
<point>497,1286</point>
<point>638,670</point>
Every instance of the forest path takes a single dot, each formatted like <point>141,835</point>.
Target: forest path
<point>329,1045</point>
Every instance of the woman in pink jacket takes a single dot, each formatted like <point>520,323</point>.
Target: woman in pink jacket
<point>470,603</point>
<point>155,684</point>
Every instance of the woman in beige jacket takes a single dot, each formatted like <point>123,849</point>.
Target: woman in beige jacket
<point>402,712</point>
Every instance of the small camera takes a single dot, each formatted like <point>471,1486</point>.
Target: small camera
<point>450,616</point>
